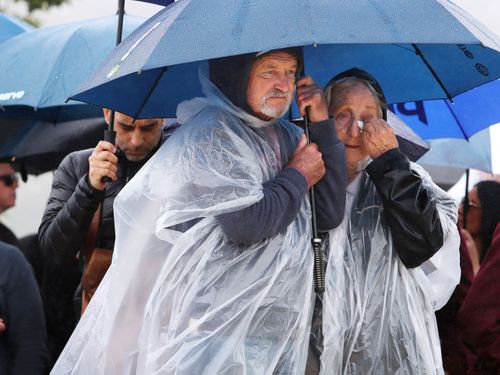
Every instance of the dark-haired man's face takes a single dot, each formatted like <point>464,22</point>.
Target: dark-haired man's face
<point>270,85</point>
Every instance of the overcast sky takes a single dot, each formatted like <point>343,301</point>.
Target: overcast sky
<point>487,11</point>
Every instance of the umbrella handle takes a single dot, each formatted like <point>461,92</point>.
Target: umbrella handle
<point>109,136</point>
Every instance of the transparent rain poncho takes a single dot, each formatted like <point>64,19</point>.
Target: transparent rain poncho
<point>183,298</point>
<point>378,315</point>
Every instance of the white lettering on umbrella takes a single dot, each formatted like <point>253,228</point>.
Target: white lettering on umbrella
<point>11,95</point>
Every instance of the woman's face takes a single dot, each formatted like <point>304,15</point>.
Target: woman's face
<point>348,106</point>
<point>473,213</point>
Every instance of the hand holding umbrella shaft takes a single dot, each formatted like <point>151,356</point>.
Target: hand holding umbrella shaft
<point>310,94</point>
<point>308,160</point>
<point>102,163</point>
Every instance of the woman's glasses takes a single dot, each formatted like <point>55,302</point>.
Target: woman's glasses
<point>9,179</point>
<point>470,203</point>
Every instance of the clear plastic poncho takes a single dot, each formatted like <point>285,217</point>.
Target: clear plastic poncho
<point>379,315</point>
<point>193,302</point>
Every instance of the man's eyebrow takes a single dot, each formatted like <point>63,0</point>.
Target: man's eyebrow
<point>125,124</point>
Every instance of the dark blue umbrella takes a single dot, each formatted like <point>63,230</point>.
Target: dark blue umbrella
<point>158,2</point>
<point>469,113</point>
<point>417,50</point>
<point>10,27</point>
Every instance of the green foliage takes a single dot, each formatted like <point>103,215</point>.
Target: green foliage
<point>42,4</point>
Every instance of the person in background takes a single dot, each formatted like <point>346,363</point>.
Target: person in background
<point>23,338</point>
<point>77,229</point>
<point>8,186</point>
<point>479,314</point>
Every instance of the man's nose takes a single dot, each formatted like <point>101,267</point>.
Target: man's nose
<point>281,82</point>
<point>136,138</point>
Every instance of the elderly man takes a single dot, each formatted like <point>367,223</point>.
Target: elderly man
<point>213,266</point>
<point>8,186</point>
<point>394,259</point>
<point>78,220</point>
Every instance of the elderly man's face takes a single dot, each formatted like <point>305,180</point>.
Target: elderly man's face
<point>348,106</point>
<point>8,186</point>
<point>270,85</point>
<point>137,139</point>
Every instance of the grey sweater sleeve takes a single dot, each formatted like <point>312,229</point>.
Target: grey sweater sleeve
<point>283,195</point>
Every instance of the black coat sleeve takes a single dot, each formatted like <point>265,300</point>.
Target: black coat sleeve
<point>70,209</point>
<point>283,195</point>
<point>412,216</point>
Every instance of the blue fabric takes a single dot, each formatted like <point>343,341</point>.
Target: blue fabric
<point>10,27</point>
<point>469,113</point>
<point>379,37</point>
<point>42,68</point>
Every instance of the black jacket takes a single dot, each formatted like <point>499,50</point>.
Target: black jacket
<point>23,345</point>
<point>73,202</point>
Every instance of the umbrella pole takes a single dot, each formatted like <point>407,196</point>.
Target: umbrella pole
<point>317,241</point>
<point>465,207</point>
<point>109,133</point>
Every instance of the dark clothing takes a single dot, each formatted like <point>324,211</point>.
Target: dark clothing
<point>413,217</point>
<point>23,349</point>
<point>479,315</point>
<point>71,206</point>
<point>457,358</point>
<point>7,236</point>
<point>283,195</point>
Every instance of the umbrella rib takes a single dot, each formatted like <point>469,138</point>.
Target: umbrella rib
<point>458,121</point>
<point>419,53</point>
<point>150,92</point>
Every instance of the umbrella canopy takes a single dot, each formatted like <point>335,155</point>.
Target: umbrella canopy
<point>476,153</point>
<point>10,27</point>
<point>41,68</point>
<point>469,113</point>
<point>38,146</point>
<point>417,50</point>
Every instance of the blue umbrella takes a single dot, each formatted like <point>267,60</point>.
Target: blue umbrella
<point>417,50</point>
<point>10,27</point>
<point>158,2</point>
<point>469,113</point>
<point>41,68</point>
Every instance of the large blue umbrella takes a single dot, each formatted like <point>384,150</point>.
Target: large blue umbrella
<point>417,50</point>
<point>469,113</point>
<point>11,26</point>
<point>41,68</point>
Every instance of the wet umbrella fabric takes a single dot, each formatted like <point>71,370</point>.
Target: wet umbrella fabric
<point>10,27</point>
<point>40,69</point>
<point>469,113</point>
<point>159,62</point>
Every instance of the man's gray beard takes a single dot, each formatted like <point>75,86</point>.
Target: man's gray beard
<point>274,112</point>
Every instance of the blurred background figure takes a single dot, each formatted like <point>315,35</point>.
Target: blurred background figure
<point>469,324</point>
<point>23,339</point>
<point>8,186</point>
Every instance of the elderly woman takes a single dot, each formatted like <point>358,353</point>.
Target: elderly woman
<point>394,259</point>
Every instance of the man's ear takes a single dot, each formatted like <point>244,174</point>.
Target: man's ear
<point>106,112</point>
